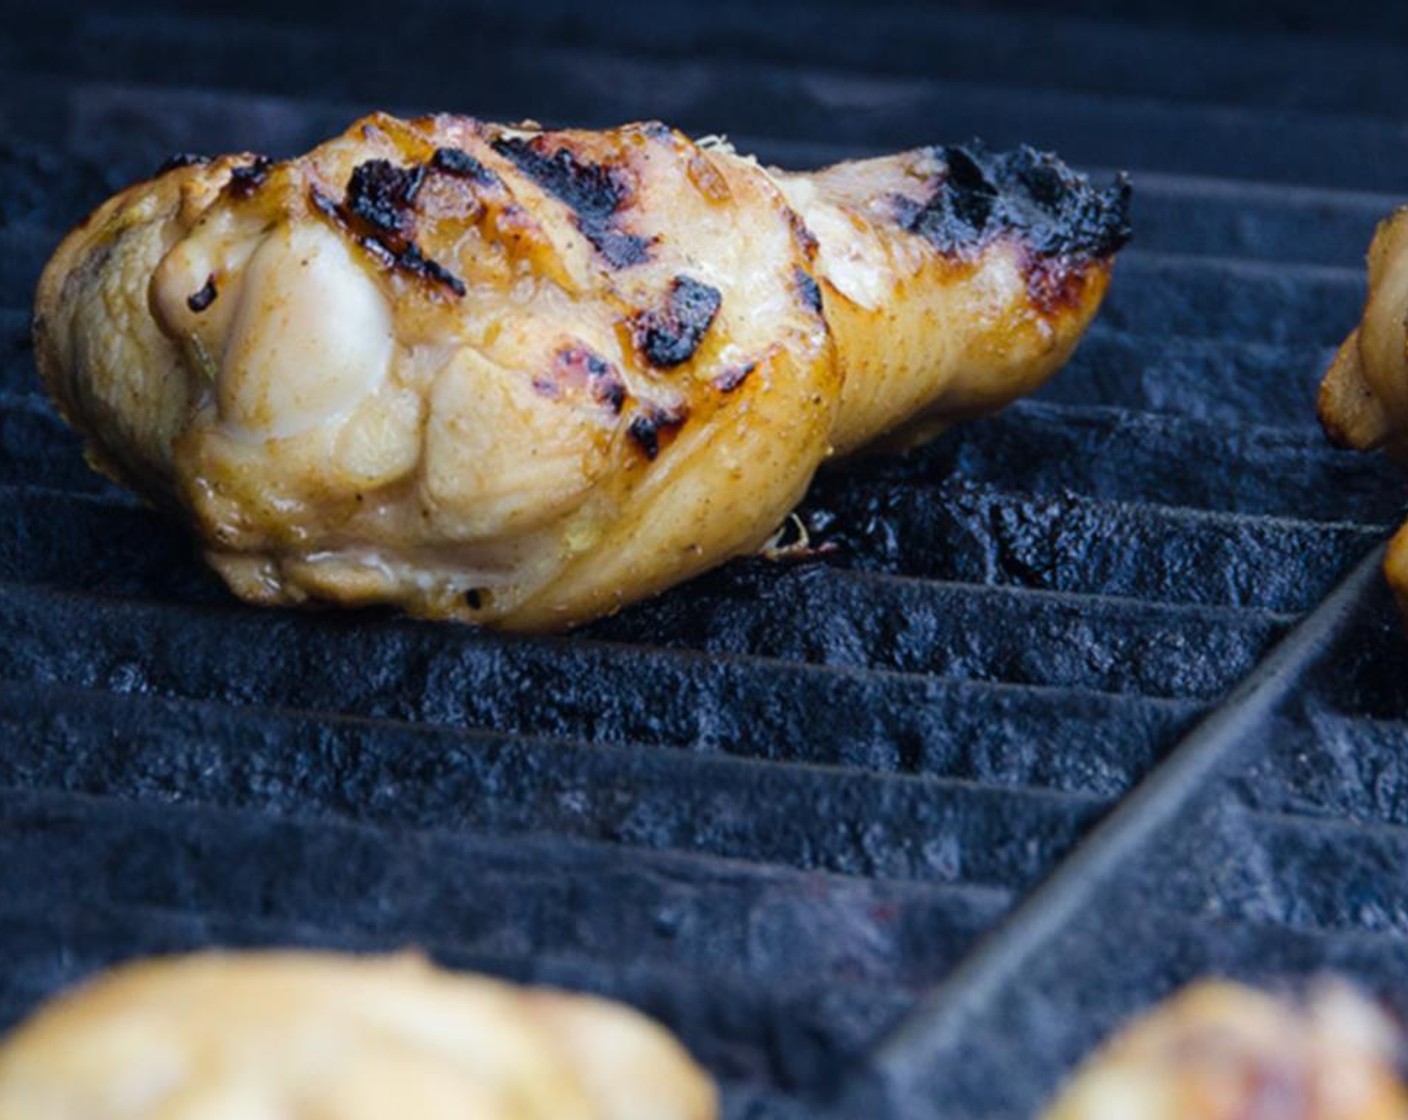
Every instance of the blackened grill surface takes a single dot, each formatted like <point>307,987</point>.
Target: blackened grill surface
<point>779,807</point>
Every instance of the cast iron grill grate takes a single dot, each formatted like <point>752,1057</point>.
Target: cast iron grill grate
<point>780,805</point>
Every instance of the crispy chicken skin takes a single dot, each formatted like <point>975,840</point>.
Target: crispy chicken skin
<point>1221,1051</point>
<point>523,377</point>
<point>307,1036</point>
<point>1364,397</point>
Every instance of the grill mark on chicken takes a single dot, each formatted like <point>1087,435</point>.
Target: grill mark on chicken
<point>379,211</point>
<point>655,426</point>
<point>578,367</point>
<point>979,195</point>
<point>414,261</point>
<point>594,192</point>
<point>199,301</point>
<point>453,161</point>
<point>383,195</point>
<point>668,336</point>
<point>808,289</point>
<point>179,159</point>
<point>249,177</point>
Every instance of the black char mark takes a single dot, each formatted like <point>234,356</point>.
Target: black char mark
<point>199,301</point>
<point>383,196</point>
<point>1055,211</point>
<point>452,161</point>
<point>179,159</point>
<point>247,179</point>
<point>593,191</point>
<point>379,209</point>
<point>808,289</point>
<point>654,423</point>
<point>413,260</point>
<point>669,335</point>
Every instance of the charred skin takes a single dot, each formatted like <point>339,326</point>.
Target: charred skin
<point>954,280</point>
<point>1364,397</point>
<point>522,377</point>
<point>1222,1051</point>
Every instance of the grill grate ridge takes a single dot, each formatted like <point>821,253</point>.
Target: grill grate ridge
<point>397,775</point>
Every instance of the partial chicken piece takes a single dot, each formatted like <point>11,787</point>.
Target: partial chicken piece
<point>523,377</point>
<point>308,1036</point>
<point>1221,1051</point>
<point>1364,397</point>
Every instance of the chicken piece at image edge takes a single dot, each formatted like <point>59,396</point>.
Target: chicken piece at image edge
<point>302,1035</point>
<point>1364,397</point>
<point>1224,1051</point>
<point>523,377</point>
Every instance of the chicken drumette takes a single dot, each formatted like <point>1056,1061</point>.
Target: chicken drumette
<point>317,1036</point>
<point>1221,1051</point>
<point>1364,397</point>
<point>522,377</point>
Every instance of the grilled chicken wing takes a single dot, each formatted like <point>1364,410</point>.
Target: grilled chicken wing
<point>1220,1051</point>
<point>522,377</point>
<point>1364,397</point>
<point>305,1035</point>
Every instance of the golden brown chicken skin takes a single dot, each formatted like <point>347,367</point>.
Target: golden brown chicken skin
<point>317,1036</point>
<point>1364,397</point>
<point>522,377</point>
<point>1222,1051</point>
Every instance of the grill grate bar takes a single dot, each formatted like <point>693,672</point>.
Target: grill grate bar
<point>567,688</point>
<point>396,775</point>
<point>1114,455</point>
<point>836,617</point>
<point>1205,379</point>
<point>486,900</point>
<point>829,616</point>
<point>974,533</point>
<point>1023,976</point>
<point>954,532</point>
<point>1334,766</point>
<point>1271,871</point>
<point>1160,295</point>
<point>500,895</point>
